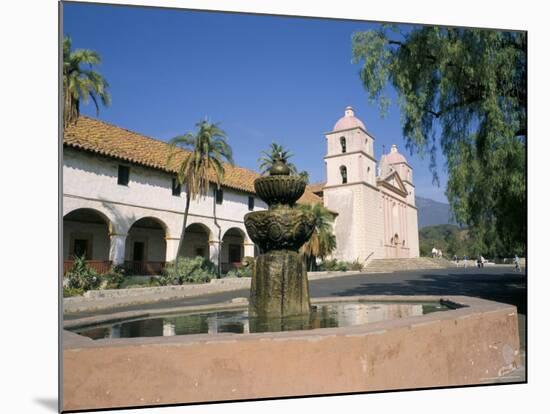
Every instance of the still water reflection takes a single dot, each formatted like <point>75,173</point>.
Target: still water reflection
<point>329,315</point>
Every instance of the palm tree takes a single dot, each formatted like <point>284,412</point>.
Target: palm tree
<point>305,176</point>
<point>323,240</point>
<point>275,153</point>
<point>208,150</point>
<point>80,84</point>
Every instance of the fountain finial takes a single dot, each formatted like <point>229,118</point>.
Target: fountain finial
<point>279,167</point>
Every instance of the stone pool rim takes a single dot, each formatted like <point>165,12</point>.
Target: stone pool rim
<point>461,307</point>
<point>466,346</point>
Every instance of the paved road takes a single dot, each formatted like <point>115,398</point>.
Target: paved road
<point>499,284</point>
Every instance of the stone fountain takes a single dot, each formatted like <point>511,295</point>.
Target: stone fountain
<point>369,352</point>
<point>279,283</point>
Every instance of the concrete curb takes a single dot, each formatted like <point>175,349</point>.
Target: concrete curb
<point>195,289</point>
<point>113,298</point>
<point>95,300</point>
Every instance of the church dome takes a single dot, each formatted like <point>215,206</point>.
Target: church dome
<point>395,157</point>
<point>348,121</point>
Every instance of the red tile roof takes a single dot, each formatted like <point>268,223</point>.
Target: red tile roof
<point>99,137</point>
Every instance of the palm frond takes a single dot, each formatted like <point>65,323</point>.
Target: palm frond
<point>208,150</point>
<point>275,153</point>
<point>81,84</point>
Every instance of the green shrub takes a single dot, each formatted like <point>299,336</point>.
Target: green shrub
<point>333,265</point>
<point>68,292</point>
<point>356,265</point>
<point>114,279</point>
<point>190,270</point>
<point>154,281</point>
<point>243,271</point>
<point>81,276</point>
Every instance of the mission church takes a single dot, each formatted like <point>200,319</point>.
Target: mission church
<point>122,203</point>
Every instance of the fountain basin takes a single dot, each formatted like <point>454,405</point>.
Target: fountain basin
<point>278,229</point>
<point>280,189</point>
<point>462,346</point>
<point>323,315</point>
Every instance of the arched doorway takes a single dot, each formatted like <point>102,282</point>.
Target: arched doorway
<point>232,252</point>
<point>195,242</point>
<point>86,234</point>
<point>145,251</point>
<point>397,242</point>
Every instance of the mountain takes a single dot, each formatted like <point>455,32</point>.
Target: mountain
<point>431,212</point>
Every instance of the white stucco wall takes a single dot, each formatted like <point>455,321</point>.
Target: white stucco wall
<point>371,238</point>
<point>412,214</point>
<point>341,200</point>
<point>359,226</point>
<point>356,140</point>
<point>90,181</point>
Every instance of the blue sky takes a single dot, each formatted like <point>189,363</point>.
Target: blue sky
<point>264,78</point>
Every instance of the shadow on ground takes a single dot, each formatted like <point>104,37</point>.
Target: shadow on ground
<point>508,288</point>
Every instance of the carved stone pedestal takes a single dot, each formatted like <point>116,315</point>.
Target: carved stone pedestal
<point>279,285</point>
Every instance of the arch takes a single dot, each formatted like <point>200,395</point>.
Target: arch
<point>145,250</point>
<point>197,240</point>
<point>238,230</point>
<point>79,211</point>
<point>232,248</point>
<point>86,232</point>
<point>343,144</point>
<point>197,225</point>
<point>344,174</point>
<point>148,221</point>
<point>395,239</point>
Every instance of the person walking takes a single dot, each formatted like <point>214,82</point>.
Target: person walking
<point>465,261</point>
<point>517,267</point>
<point>456,260</point>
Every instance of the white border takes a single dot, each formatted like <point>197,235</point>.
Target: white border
<point>29,203</point>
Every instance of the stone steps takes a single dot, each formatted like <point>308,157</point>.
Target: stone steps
<point>395,265</point>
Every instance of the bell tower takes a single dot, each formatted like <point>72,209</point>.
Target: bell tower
<point>351,189</point>
<point>350,152</point>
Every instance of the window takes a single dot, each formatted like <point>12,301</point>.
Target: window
<point>344,174</point>
<point>176,187</point>
<point>343,144</point>
<point>250,203</point>
<point>219,196</point>
<point>123,174</point>
<point>81,248</point>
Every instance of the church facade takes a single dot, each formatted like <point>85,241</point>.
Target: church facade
<point>375,201</point>
<point>122,204</point>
